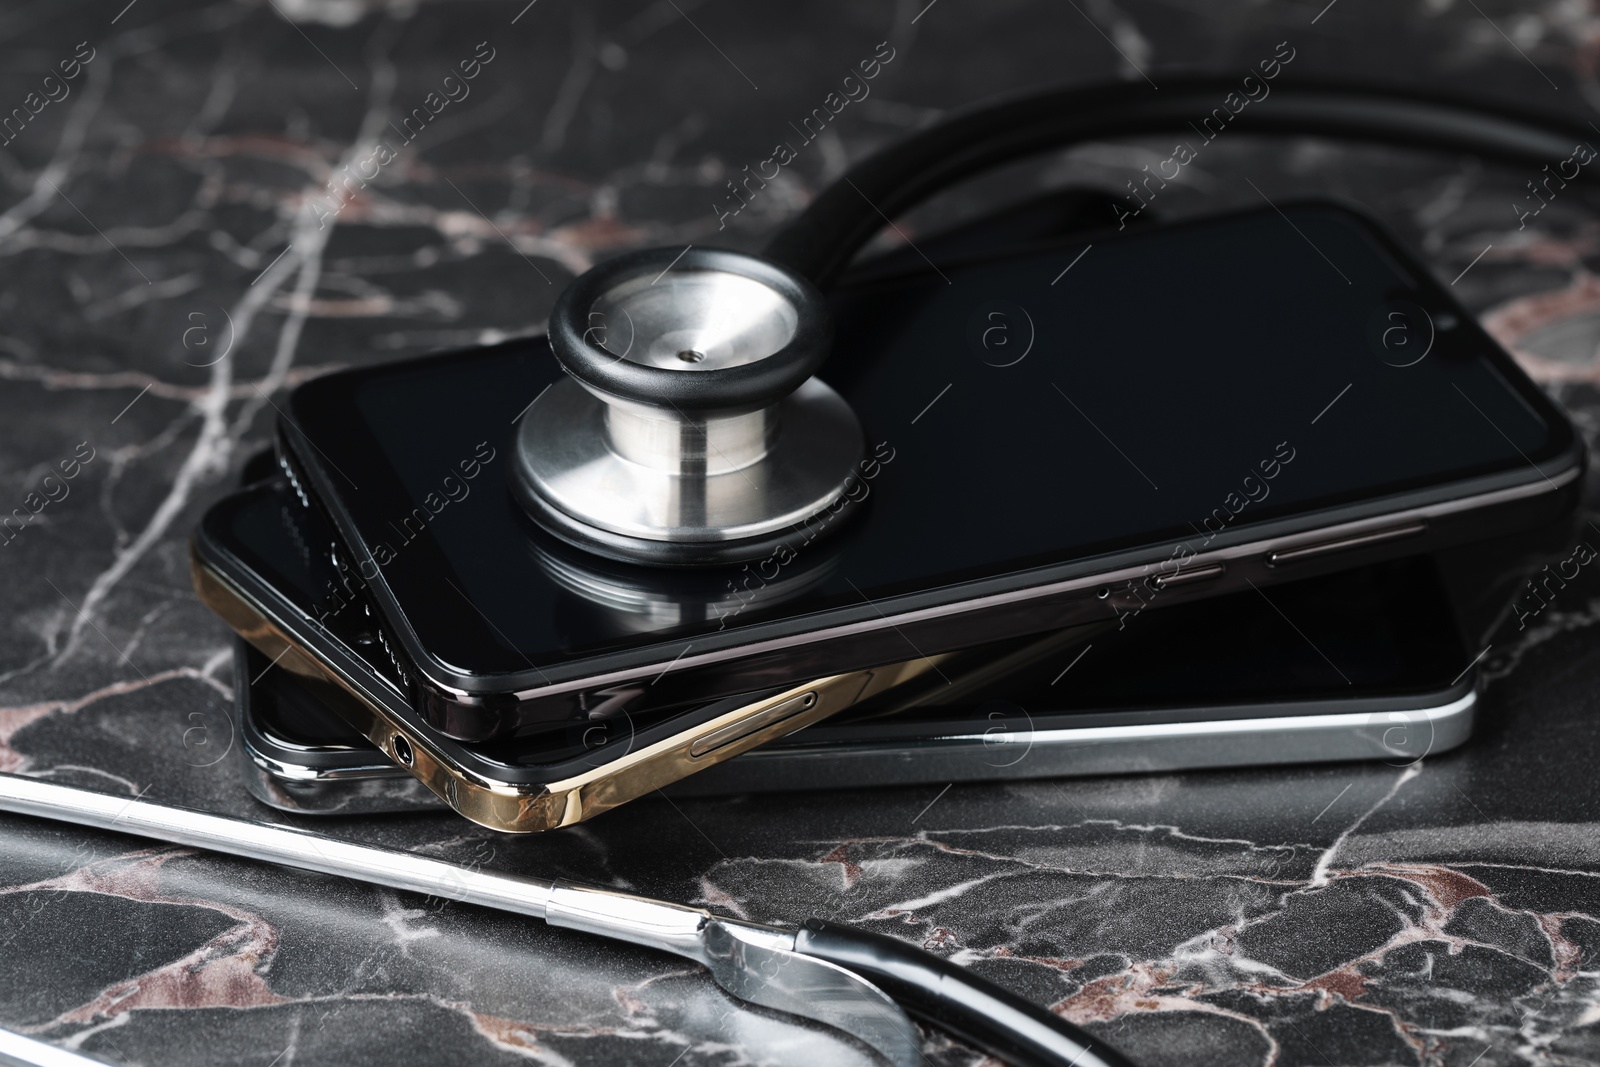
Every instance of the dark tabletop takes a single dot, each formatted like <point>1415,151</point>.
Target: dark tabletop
<point>1445,912</point>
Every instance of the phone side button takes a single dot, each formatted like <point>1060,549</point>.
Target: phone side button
<point>1361,540</point>
<point>1185,576</point>
<point>732,732</point>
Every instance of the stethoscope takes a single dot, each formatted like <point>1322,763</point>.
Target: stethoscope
<point>690,426</point>
<point>691,429</point>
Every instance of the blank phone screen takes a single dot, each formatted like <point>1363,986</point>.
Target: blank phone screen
<point>1021,413</point>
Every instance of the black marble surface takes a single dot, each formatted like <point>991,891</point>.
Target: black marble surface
<point>1446,912</point>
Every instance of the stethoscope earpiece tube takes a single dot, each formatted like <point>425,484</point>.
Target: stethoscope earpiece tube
<point>821,241</point>
<point>955,1000</point>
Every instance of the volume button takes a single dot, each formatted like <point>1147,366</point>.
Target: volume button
<point>1342,544</point>
<point>1185,575</point>
<point>734,731</point>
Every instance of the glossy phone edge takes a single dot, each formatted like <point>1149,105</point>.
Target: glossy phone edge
<point>1409,728</point>
<point>513,807</point>
<point>1132,748</point>
<point>1238,567</point>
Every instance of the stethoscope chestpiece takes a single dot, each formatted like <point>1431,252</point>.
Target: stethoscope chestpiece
<point>689,429</point>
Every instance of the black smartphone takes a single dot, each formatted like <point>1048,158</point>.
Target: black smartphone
<point>1362,665</point>
<point>1184,411</point>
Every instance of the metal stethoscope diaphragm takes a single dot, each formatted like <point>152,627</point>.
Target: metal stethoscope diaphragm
<point>689,428</point>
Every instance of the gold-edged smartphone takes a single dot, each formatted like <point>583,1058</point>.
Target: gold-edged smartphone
<point>256,555</point>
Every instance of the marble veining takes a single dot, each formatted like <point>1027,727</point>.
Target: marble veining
<point>165,280</point>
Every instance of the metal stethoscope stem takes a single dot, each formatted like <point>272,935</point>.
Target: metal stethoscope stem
<point>815,972</point>
<point>753,962</point>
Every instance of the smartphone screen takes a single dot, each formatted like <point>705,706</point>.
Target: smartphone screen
<point>1184,384</point>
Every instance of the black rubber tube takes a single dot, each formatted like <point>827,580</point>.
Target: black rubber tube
<point>957,1001</point>
<point>821,241</point>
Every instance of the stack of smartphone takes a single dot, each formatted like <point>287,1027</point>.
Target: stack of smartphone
<point>1209,510</point>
